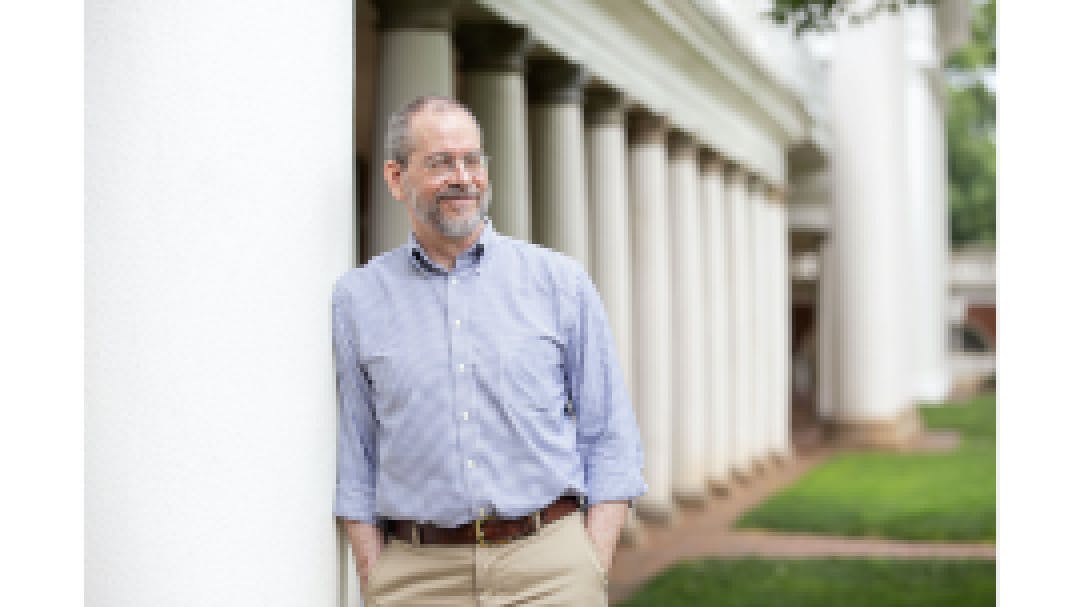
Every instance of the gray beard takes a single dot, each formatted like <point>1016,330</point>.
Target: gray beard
<point>451,228</point>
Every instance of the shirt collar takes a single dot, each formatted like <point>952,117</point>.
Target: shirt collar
<point>472,257</point>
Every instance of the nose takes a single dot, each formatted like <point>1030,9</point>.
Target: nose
<point>460,173</point>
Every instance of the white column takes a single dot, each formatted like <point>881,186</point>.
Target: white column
<point>780,444</point>
<point>740,299</point>
<point>687,329</point>
<point>557,153</point>
<point>609,213</point>
<point>651,286</point>
<point>717,327</point>
<point>219,211</point>
<point>493,86</point>
<point>928,208</point>
<point>609,219</point>
<point>828,332</point>
<point>414,58</point>
<point>867,93</point>
<point>761,290</point>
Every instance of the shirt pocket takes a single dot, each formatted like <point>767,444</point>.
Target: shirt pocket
<point>385,376</point>
<point>533,372</point>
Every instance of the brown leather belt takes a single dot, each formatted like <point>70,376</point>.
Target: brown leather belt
<point>485,530</point>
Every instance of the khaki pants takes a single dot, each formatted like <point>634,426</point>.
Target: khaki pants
<point>557,565</point>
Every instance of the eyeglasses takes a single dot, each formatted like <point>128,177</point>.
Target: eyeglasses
<point>442,165</point>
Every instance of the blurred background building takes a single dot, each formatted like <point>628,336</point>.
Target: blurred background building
<point>765,216</point>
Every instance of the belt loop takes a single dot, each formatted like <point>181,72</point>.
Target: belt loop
<point>537,521</point>
<point>415,534</point>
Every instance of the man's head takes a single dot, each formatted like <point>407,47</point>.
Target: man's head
<point>436,165</point>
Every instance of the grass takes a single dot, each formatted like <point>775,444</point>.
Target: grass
<point>820,583</point>
<point>914,496</point>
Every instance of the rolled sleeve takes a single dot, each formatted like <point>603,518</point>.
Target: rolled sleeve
<point>607,433</point>
<point>354,497</point>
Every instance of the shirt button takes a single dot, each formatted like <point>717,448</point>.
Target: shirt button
<point>453,281</point>
<point>465,416</point>
<point>461,367</point>
<point>457,323</point>
<point>470,463</point>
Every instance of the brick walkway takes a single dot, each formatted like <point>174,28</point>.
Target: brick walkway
<point>707,532</point>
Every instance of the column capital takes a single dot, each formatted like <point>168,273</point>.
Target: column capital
<point>755,183</point>
<point>711,160</point>
<point>681,144</point>
<point>555,80</point>
<point>604,105</point>
<point>415,14</point>
<point>491,46</point>
<point>645,127</point>
<point>734,170</point>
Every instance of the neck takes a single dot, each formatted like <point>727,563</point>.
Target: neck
<point>444,250</point>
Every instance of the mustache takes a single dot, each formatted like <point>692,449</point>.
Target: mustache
<point>457,191</point>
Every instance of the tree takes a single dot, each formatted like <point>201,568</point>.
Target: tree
<point>972,152</point>
<point>822,15</point>
<point>971,133</point>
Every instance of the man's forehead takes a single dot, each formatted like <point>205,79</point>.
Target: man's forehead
<point>445,126</point>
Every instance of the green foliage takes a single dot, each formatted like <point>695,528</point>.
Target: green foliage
<point>971,129</point>
<point>981,50</point>
<point>912,496</point>
<point>821,583</point>
<point>822,15</point>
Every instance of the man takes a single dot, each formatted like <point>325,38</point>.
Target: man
<point>481,398</point>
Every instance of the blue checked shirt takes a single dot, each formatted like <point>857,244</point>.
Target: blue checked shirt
<point>491,389</point>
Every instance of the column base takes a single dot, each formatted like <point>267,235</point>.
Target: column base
<point>632,533</point>
<point>898,432</point>
<point>719,488</point>
<point>655,513</point>
<point>760,466</point>
<point>781,458</point>
<point>742,475</point>
<point>691,498</point>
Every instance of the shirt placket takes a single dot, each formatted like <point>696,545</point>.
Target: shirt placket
<point>463,377</point>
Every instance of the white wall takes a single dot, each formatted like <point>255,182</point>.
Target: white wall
<point>219,210</point>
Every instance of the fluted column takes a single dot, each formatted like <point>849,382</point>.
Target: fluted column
<point>717,322</point>
<point>651,287</point>
<point>414,59</point>
<point>557,153</point>
<point>870,180</point>
<point>609,236</point>
<point>493,86</point>
<point>609,212</point>
<point>688,337</point>
<point>739,264</point>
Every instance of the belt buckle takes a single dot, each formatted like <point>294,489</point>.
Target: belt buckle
<point>478,526</point>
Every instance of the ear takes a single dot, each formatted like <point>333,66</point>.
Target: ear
<point>393,173</point>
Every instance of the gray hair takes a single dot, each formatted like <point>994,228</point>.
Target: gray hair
<point>399,140</point>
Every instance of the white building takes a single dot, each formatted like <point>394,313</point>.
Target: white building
<point>714,173</point>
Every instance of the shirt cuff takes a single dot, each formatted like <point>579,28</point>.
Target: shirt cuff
<point>355,504</point>
<point>624,487</point>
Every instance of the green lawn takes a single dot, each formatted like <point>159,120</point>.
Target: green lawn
<point>927,496</point>
<point>820,582</point>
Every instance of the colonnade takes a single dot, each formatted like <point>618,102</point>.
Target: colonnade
<point>687,248</point>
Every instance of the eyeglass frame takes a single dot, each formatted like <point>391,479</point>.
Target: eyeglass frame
<point>429,164</point>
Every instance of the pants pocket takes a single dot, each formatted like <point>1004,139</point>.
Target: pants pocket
<point>590,548</point>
